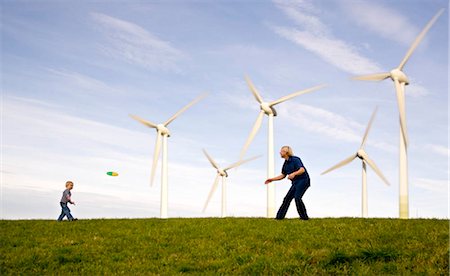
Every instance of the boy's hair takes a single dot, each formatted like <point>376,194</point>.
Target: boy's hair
<point>68,183</point>
<point>289,150</point>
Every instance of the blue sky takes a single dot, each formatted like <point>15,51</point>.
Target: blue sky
<point>73,72</point>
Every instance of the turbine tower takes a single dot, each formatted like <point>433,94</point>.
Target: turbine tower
<point>361,154</point>
<point>162,133</point>
<point>223,174</point>
<point>400,81</point>
<point>267,109</point>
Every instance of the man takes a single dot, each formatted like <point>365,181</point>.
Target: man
<point>295,171</point>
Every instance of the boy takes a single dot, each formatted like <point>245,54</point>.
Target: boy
<point>66,198</point>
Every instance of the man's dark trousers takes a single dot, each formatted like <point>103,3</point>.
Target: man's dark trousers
<point>296,191</point>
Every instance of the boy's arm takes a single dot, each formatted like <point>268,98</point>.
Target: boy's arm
<point>70,199</point>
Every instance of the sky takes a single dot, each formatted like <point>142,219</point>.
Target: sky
<point>73,71</point>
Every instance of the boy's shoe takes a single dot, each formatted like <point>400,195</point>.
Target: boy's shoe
<point>74,219</point>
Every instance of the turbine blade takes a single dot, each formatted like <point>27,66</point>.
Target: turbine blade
<point>238,163</point>
<point>253,89</point>
<point>419,39</point>
<point>142,121</point>
<point>375,168</point>
<point>155,157</point>
<point>373,77</point>
<point>340,164</point>
<point>255,129</point>
<point>213,163</point>
<point>298,93</point>
<point>401,109</point>
<point>185,108</point>
<point>368,127</point>
<point>213,189</point>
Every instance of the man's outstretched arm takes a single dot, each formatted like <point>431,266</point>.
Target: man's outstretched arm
<point>276,178</point>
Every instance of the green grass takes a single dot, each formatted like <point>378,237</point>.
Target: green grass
<point>247,246</point>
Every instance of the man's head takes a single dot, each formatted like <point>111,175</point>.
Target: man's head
<point>69,185</point>
<point>286,152</point>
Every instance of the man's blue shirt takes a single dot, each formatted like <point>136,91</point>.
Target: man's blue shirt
<point>293,164</point>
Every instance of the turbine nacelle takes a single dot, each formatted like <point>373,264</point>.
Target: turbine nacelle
<point>222,173</point>
<point>161,128</point>
<point>268,109</point>
<point>361,154</point>
<point>399,75</point>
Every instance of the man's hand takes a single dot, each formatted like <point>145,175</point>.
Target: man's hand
<point>268,181</point>
<point>291,176</point>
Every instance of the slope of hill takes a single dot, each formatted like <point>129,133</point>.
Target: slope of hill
<point>226,246</point>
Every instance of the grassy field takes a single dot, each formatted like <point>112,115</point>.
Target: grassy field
<point>226,246</point>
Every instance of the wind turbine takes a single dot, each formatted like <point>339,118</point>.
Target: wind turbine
<point>162,134</point>
<point>223,174</point>
<point>361,154</point>
<point>400,80</point>
<point>267,108</point>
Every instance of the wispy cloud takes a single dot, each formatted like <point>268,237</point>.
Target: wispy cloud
<point>51,123</point>
<point>324,122</point>
<point>317,38</point>
<point>382,20</point>
<point>135,45</point>
<point>83,82</point>
<point>441,150</point>
<point>434,185</point>
<point>334,51</point>
<point>416,90</point>
<point>303,13</point>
